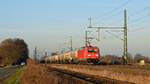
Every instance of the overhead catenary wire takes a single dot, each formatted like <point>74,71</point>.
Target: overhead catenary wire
<point>113,10</point>
<point>137,29</point>
<point>102,20</point>
<point>140,11</point>
<point>134,21</point>
<point>115,35</point>
<point>145,10</point>
<point>140,18</point>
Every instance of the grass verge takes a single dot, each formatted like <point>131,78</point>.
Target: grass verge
<point>15,78</point>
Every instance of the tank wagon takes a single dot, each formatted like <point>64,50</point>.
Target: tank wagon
<point>88,54</point>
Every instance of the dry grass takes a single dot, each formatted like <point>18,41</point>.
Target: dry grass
<point>34,74</point>
<point>38,74</point>
<point>134,73</point>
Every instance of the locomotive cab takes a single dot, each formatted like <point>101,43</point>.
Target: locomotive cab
<point>89,54</point>
<point>93,54</point>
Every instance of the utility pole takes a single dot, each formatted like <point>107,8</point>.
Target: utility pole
<point>71,48</point>
<point>46,55</point>
<point>87,38</point>
<point>98,32</point>
<point>98,29</point>
<point>124,28</point>
<point>125,54</point>
<point>90,22</point>
<point>35,54</point>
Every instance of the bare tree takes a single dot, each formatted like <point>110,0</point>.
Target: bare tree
<point>138,57</point>
<point>13,51</point>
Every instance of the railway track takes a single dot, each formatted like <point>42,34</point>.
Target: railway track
<point>90,79</point>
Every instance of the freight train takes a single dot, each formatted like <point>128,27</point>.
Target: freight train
<point>84,55</point>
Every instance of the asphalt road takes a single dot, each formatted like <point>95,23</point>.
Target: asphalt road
<point>6,72</point>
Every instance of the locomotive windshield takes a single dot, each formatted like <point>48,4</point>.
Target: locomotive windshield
<point>92,50</point>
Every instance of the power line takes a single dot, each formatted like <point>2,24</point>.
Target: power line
<point>113,10</point>
<point>137,29</point>
<point>111,13</point>
<point>138,20</point>
<point>115,35</point>
<point>140,11</point>
<point>134,21</point>
<point>102,20</point>
<point>133,15</point>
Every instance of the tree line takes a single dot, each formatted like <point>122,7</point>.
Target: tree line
<point>113,59</point>
<point>13,51</point>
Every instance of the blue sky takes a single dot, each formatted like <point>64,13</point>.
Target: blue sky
<point>48,24</point>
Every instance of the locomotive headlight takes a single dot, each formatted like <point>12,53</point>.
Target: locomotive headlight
<point>96,55</point>
<point>89,55</point>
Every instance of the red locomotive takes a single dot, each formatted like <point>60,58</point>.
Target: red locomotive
<point>87,54</point>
